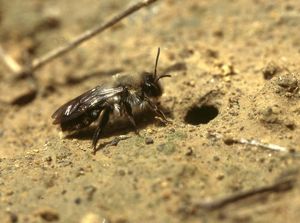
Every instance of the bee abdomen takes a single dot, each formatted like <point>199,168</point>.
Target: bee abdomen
<point>81,121</point>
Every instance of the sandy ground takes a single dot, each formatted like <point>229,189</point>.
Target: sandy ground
<point>235,75</point>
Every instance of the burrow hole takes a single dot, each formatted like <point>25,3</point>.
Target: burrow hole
<point>201,115</point>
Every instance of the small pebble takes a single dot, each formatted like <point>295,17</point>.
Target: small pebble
<point>270,70</point>
<point>9,193</point>
<point>121,172</point>
<point>1,132</point>
<point>48,214</point>
<point>216,158</point>
<point>90,191</point>
<point>93,218</point>
<point>220,177</point>
<point>79,172</point>
<point>149,141</point>
<point>229,140</point>
<point>77,200</point>
<point>47,159</point>
<point>172,130</point>
<point>189,151</point>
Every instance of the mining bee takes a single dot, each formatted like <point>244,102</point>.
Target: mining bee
<point>125,95</point>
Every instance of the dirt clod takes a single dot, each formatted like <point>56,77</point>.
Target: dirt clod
<point>288,83</point>
<point>149,141</point>
<point>189,151</point>
<point>77,200</point>
<point>228,107</point>
<point>270,70</point>
<point>10,217</point>
<point>216,158</point>
<point>48,214</point>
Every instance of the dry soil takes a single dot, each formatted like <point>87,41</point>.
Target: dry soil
<point>235,75</point>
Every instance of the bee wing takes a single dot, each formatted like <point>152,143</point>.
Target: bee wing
<point>82,103</point>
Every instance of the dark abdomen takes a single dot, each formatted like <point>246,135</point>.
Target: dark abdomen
<point>82,121</point>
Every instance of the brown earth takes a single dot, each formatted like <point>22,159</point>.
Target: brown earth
<point>235,75</point>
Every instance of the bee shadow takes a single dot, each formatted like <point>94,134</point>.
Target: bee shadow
<point>119,126</point>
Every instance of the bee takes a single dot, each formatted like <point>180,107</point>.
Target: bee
<point>126,95</point>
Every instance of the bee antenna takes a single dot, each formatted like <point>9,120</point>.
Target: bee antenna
<point>156,62</point>
<point>163,75</point>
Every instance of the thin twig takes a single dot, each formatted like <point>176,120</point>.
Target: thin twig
<point>9,61</point>
<point>43,60</point>
<point>39,62</point>
<point>269,146</point>
<point>279,186</point>
<point>257,143</point>
<point>252,142</point>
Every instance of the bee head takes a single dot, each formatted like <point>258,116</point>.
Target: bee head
<point>150,84</point>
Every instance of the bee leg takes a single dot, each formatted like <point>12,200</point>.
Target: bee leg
<point>128,111</point>
<point>157,111</point>
<point>104,117</point>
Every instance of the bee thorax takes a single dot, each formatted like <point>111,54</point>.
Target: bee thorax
<point>126,79</point>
